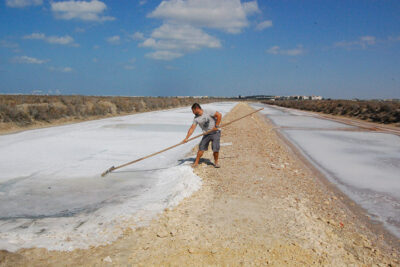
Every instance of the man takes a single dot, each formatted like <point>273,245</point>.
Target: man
<point>208,120</point>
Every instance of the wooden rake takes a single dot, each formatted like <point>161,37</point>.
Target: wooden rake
<point>171,147</point>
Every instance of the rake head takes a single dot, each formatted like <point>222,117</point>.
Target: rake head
<point>108,171</point>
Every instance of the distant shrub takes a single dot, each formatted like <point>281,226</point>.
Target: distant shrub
<point>24,110</point>
<point>14,114</point>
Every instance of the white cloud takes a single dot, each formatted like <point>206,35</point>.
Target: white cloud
<point>35,36</point>
<point>7,44</point>
<point>293,52</point>
<point>263,25</point>
<point>61,69</point>
<point>276,50</point>
<point>185,22</point>
<point>80,10</point>
<point>180,37</point>
<point>61,40</point>
<point>370,40</point>
<point>29,60</point>
<point>137,36</point>
<point>23,3</point>
<point>362,42</point>
<point>227,15</point>
<point>164,55</point>
<point>142,2</point>
<point>115,40</point>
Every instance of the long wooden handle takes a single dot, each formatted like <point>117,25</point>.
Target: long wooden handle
<point>168,148</point>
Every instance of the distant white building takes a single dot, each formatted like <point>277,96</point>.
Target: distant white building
<point>315,97</point>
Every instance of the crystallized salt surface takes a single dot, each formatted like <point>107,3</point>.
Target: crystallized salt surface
<point>295,118</point>
<point>51,191</point>
<point>364,165</point>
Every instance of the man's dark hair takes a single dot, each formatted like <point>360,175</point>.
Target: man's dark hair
<point>195,106</point>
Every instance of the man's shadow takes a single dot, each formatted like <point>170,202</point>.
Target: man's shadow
<point>202,160</point>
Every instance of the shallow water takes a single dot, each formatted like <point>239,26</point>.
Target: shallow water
<point>51,191</point>
<point>364,165</point>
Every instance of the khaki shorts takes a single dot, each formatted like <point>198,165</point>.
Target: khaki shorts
<point>212,137</point>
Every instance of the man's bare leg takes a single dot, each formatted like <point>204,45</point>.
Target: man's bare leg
<point>216,154</point>
<point>199,155</point>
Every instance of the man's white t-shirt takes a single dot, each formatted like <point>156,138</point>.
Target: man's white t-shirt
<point>206,121</point>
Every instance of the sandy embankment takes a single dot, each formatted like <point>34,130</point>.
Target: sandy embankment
<point>263,207</point>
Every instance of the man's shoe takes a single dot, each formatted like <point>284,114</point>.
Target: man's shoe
<point>217,165</point>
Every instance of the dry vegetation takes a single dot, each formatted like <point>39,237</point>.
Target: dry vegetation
<point>26,110</point>
<point>372,110</point>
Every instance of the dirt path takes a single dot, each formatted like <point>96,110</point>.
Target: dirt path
<point>262,207</point>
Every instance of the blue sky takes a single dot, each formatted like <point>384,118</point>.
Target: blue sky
<point>337,49</point>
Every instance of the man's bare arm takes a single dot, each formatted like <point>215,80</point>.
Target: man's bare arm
<point>190,132</point>
<point>218,116</point>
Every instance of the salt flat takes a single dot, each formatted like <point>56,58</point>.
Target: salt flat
<point>364,165</point>
<point>51,192</point>
<point>262,207</point>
